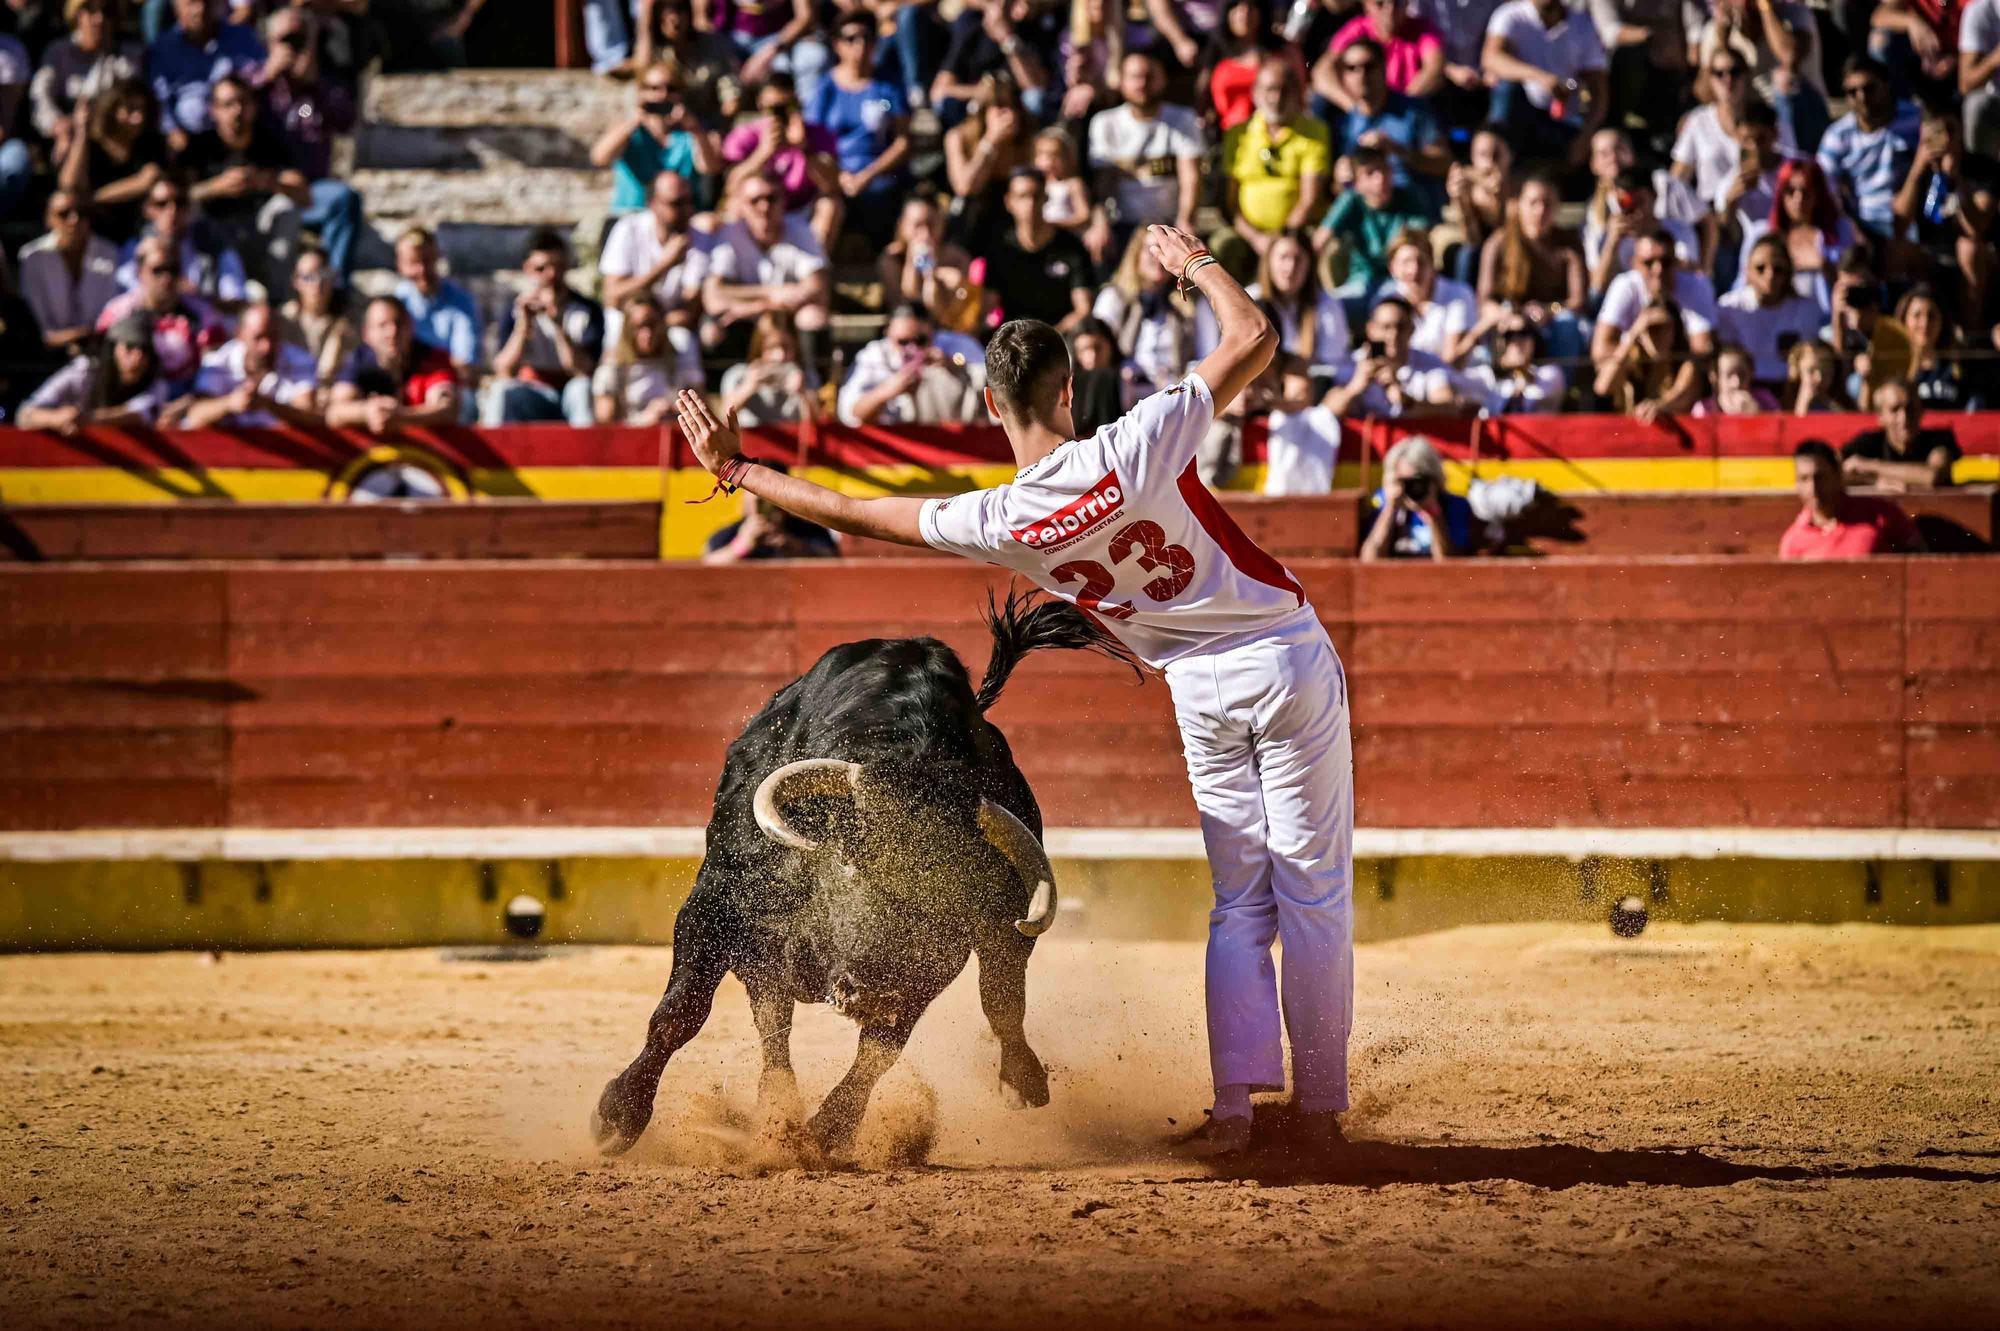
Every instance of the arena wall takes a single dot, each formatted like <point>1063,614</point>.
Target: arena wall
<point>1609,693</point>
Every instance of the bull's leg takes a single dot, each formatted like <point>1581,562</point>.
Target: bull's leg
<point>777,1088</point>
<point>1003,991</point>
<point>626,1106</point>
<point>840,1113</point>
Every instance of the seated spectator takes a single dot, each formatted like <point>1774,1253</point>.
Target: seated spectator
<point>443,314</point>
<point>187,59</point>
<point>245,182</point>
<point>116,160</point>
<point>1646,51</point>
<point>774,386</point>
<point>1068,204</point>
<point>1812,380</point>
<point>1034,270</point>
<point>1946,203</point>
<point>316,317</point>
<point>1874,348</point>
<point>1775,40</point>
<point>869,123</point>
<point>1936,372</point>
<point>1447,311</point>
<point>1302,435</point>
<point>1736,391</point>
<point>1401,125</point>
<point>1833,524</point>
<point>905,378</point>
<point>183,324</point>
<point>1154,332</point>
<point>1628,210</point>
<point>1409,49</point>
<point>989,36</point>
<point>1906,37</point>
<point>1366,218</point>
<point>923,267</point>
<point>791,42</point>
<point>1387,377</point>
<point>1806,217</point>
<point>393,380</point>
<point>636,382</point>
<point>550,339</point>
<point>77,68</point>
<point>1515,378</point>
<point>1750,195</point>
<point>1477,197</point>
<point>1707,153</point>
<point>1146,153</point>
<point>1901,455</point>
<point>254,380</point>
<point>706,61</point>
<point>1416,517</point>
<point>119,385</point>
<point>1655,280</point>
<point>1238,48</point>
<point>766,531</point>
<point>68,275</point>
<point>1612,155</point>
<point>210,266</point>
<point>1867,152</point>
<point>760,263</point>
<point>1979,75</point>
<point>996,139</point>
<point>1650,371</point>
<point>1097,379</point>
<point>1311,323</point>
<point>782,146</point>
<point>654,251</point>
<point>1766,316</point>
<point>1547,68</point>
<point>306,109</point>
<point>1527,266</point>
<point>1275,168</point>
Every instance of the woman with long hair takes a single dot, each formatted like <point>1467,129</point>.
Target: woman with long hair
<point>1155,333</point>
<point>771,387</point>
<point>119,385</point>
<point>1311,322</point>
<point>637,381</point>
<point>1447,312</point>
<point>1657,376</point>
<point>1806,216</point>
<point>1934,367</point>
<point>76,68</point>
<point>981,151</point>
<point>924,268</point>
<point>1528,266</point>
<point>115,161</point>
<point>1812,382</point>
<point>316,317</point>
<point>1477,195</point>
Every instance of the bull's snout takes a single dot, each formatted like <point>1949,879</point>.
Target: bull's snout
<point>862,1005</point>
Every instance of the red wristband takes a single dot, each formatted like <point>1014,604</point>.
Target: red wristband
<point>728,477</point>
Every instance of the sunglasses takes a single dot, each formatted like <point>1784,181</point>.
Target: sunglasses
<point>759,200</point>
<point>855,35</point>
<point>172,201</point>
<point>657,89</point>
<point>65,214</point>
<point>162,270</point>
<point>1356,66</point>
<point>1724,71</point>
<point>1860,89</point>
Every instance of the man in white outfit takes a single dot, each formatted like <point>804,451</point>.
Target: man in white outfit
<point>1120,525</point>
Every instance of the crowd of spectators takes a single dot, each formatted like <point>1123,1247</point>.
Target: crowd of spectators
<point>1447,207</point>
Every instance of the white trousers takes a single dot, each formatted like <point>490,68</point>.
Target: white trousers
<point>1265,730</point>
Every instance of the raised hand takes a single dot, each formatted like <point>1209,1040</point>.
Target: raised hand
<point>1172,247</point>
<point>714,441</point>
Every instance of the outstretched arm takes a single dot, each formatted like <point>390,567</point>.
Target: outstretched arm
<point>720,449</point>
<point>1246,339</point>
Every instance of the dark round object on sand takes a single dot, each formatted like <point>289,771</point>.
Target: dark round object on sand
<point>524,916</point>
<point>1628,917</point>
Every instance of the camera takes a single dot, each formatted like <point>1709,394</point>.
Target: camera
<point>1376,348</point>
<point>1417,489</point>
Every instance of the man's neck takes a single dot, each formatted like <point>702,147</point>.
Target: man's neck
<point>1034,234</point>
<point>1032,442</point>
<point>1148,112</point>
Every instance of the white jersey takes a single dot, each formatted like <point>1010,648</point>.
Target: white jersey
<point>1120,525</point>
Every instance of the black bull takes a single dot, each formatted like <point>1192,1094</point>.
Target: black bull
<point>869,832</point>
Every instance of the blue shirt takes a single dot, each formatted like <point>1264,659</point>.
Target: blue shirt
<point>644,157</point>
<point>448,320</point>
<point>862,121</point>
<point>1412,536</point>
<point>1402,120</point>
<point>1869,167</point>
<point>182,72</point>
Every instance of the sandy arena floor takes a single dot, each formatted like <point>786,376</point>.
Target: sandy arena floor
<point>1709,1125</point>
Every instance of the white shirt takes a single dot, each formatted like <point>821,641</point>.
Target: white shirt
<point>1158,357</point>
<point>1687,245</point>
<point>1711,150</point>
<point>1626,297</point>
<point>1119,524</point>
<point>58,302</point>
<point>738,259</point>
<point>1979,33</point>
<point>291,379</point>
<point>635,246</point>
<point>1767,334</point>
<point>1300,450</point>
<point>941,396</point>
<point>637,384</point>
<point>1568,50</point>
<point>1424,379</point>
<point>1502,395</point>
<point>1452,308</point>
<point>1147,154</point>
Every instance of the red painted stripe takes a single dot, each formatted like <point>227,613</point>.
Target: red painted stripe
<point>1248,557</point>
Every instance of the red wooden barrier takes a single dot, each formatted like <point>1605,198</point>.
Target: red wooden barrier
<point>1495,693</point>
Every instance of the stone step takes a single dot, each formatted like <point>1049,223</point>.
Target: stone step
<point>575,102</point>
<point>468,148</point>
<point>542,196</point>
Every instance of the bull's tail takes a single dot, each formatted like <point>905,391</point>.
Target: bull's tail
<point>1027,623</point>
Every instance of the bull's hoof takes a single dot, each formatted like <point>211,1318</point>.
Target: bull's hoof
<point>833,1134</point>
<point>619,1119</point>
<point>1024,1077</point>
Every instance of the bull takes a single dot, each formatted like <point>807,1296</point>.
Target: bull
<point>870,831</point>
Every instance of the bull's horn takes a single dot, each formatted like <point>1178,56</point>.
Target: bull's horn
<point>809,776</point>
<point>1011,837</point>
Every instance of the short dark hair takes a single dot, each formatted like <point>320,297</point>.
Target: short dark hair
<point>910,309</point>
<point>1371,157</point>
<point>1395,302</point>
<point>545,240</point>
<point>1864,64</point>
<point>1026,364</point>
<point>402,310</point>
<point>1758,114</point>
<point>1028,173</point>
<point>1819,451</point>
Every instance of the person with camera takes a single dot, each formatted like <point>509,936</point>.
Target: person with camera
<point>550,339</point>
<point>781,145</point>
<point>1388,377</point>
<point>1415,516</point>
<point>905,378</point>
<point>660,135</point>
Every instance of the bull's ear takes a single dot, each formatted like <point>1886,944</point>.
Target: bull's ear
<point>795,781</point>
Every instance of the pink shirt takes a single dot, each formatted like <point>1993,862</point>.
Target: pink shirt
<point>1865,527</point>
<point>1407,48</point>
<point>787,165</point>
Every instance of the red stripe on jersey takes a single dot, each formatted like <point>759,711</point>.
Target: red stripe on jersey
<point>1248,557</point>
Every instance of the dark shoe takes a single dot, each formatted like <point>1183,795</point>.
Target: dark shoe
<point>1319,1133</point>
<point>1220,1137</point>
